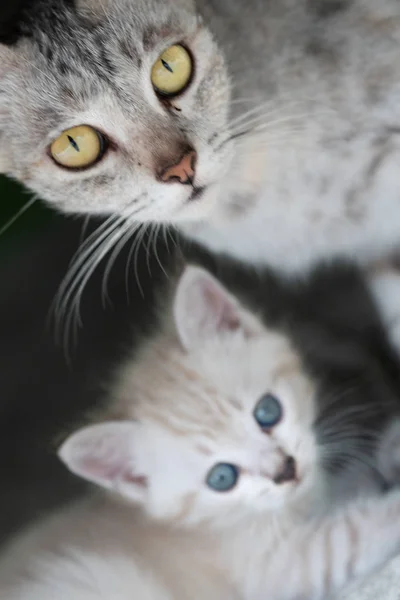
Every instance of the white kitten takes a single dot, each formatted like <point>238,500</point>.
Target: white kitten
<point>214,478</point>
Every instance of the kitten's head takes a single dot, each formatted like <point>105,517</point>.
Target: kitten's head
<point>116,107</point>
<point>216,419</point>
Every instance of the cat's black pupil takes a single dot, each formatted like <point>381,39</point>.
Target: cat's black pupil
<point>73,143</point>
<point>167,66</point>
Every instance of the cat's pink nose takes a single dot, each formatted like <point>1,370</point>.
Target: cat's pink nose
<point>183,171</point>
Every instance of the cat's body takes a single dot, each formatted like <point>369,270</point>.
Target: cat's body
<point>215,389</point>
<point>291,120</point>
<point>328,73</point>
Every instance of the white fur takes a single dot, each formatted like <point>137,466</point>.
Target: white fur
<point>162,534</point>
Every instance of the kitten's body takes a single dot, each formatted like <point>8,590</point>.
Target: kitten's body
<point>309,173</point>
<point>189,399</point>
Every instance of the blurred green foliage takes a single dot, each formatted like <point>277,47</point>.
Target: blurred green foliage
<point>12,199</point>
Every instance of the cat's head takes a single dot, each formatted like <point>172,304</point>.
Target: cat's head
<point>216,420</point>
<point>116,107</point>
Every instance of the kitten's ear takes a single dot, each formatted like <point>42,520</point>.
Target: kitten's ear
<point>106,454</point>
<point>203,308</point>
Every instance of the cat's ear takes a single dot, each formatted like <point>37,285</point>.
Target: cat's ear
<point>203,308</point>
<point>106,454</point>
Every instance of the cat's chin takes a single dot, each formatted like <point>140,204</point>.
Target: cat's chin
<point>200,206</point>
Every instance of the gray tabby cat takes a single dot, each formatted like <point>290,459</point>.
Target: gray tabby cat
<point>215,488</point>
<point>267,129</point>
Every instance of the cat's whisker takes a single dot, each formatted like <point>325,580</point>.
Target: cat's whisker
<point>81,257</point>
<point>260,124</point>
<point>125,230</point>
<point>159,228</point>
<point>61,304</point>
<point>139,242</point>
<point>129,260</point>
<point>273,110</point>
<point>164,229</point>
<point>73,319</point>
<point>126,235</point>
<point>18,214</point>
<point>131,227</point>
<point>258,127</point>
<point>85,275</point>
<point>84,229</point>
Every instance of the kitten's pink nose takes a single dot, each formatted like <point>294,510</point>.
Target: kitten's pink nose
<point>287,472</point>
<point>183,171</point>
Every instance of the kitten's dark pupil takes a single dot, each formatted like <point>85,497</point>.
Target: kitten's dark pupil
<point>73,143</point>
<point>167,66</point>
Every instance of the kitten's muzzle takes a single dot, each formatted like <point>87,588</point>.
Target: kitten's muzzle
<point>287,472</point>
<point>184,171</point>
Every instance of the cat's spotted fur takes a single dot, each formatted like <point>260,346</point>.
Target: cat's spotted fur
<point>293,112</point>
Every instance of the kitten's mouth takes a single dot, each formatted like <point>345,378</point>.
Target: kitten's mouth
<point>197,193</point>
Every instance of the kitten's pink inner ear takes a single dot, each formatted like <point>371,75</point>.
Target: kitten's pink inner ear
<point>203,308</point>
<point>105,454</point>
<point>225,312</point>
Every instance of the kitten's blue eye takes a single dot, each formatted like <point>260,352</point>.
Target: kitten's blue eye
<point>268,411</point>
<point>223,477</point>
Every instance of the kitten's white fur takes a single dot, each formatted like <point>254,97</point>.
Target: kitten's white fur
<point>184,405</point>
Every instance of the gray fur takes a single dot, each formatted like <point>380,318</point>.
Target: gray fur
<point>312,174</point>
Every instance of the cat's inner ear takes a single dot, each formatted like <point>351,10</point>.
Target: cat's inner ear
<point>106,454</point>
<point>203,308</point>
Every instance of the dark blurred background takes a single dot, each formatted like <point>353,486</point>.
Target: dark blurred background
<point>42,395</point>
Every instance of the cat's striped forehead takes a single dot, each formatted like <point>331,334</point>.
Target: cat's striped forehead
<point>81,38</point>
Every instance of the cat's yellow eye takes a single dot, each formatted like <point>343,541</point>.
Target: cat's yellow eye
<point>77,148</point>
<point>172,71</point>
